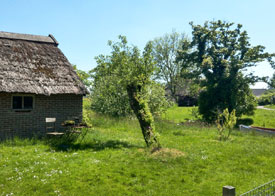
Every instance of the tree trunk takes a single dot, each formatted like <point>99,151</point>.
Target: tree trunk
<point>142,112</point>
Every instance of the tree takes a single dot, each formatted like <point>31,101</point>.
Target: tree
<point>110,99</point>
<point>133,72</point>
<point>84,77</point>
<point>271,83</point>
<point>219,54</point>
<point>165,51</point>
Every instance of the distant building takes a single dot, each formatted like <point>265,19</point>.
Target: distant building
<point>258,92</point>
<point>36,82</point>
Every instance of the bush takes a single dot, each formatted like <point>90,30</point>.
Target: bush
<point>266,99</point>
<point>225,123</point>
<point>110,99</point>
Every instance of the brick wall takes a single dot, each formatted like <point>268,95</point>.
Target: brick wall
<point>25,124</point>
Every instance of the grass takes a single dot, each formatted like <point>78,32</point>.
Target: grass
<point>180,114</point>
<point>263,118</point>
<point>113,160</point>
<point>270,106</point>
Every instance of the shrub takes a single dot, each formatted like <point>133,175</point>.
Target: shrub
<point>225,123</point>
<point>266,99</point>
<point>110,99</point>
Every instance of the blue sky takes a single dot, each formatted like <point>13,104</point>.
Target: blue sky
<point>83,27</point>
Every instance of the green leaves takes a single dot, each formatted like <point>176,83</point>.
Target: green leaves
<point>165,50</point>
<point>125,66</point>
<point>220,53</point>
<point>225,123</point>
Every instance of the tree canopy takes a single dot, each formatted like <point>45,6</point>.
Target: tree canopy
<point>132,72</point>
<point>165,50</point>
<point>220,53</point>
<point>84,76</point>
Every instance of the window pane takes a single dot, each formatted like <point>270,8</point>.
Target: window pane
<point>28,102</point>
<point>17,102</point>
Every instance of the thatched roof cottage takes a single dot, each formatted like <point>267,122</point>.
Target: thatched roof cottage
<point>36,82</point>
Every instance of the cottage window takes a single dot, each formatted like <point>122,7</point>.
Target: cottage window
<point>22,102</point>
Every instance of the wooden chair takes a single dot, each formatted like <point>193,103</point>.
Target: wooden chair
<point>50,124</point>
<point>51,128</point>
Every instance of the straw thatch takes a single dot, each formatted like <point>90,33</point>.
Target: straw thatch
<point>34,64</point>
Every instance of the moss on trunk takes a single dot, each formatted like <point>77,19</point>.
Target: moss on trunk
<point>142,112</point>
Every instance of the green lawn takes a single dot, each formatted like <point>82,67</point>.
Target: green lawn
<point>270,106</point>
<point>180,114</point>
<point>263,118</point>
<point>113,160</point>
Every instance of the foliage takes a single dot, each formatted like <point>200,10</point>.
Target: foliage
<point>225,123</point>
<point>219,55</point>
<point>109,98</point>
<point>271,84</point>
<point>84,77</point>
<point>165,50</point>
<point>111,160</point>
<point>132,72</point>
<point>267,98</point>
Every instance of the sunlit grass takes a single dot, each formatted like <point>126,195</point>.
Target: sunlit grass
<point>270,106</point>
<point>263,118</point>
<point>113,160</point>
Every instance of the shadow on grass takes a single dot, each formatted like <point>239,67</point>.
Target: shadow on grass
<point>244,121</point>
<point>96,145</point>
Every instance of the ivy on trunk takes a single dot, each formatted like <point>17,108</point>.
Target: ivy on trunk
<point>133,72</point>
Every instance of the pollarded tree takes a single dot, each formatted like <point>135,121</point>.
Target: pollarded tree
<point>220,54</point>
<point>133,72</point>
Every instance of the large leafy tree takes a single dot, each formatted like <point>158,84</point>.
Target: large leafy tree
<point>132,72</point>
<point>221,52</point>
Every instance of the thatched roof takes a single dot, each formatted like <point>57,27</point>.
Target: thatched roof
<point>34,64</point>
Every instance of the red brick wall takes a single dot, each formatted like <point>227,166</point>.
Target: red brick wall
<point>25,124</point>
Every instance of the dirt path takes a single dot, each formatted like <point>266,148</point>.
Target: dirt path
<point>262,107</point>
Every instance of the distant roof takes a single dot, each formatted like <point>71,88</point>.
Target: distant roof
<point>34,64</point>
<point>258,92</point>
